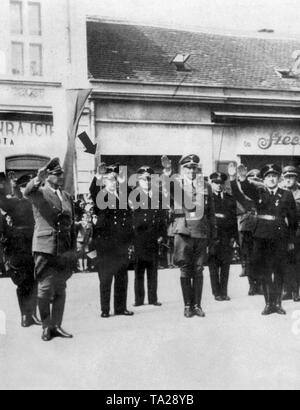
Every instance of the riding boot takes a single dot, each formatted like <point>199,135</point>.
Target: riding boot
<point>268,298</point>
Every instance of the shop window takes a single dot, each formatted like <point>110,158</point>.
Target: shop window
<point>34,19</point>
<point>16,17</point>
<point>35,53</point>
<point>17,58</point>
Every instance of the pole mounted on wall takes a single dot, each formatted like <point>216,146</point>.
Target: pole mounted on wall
<point>76,100</point>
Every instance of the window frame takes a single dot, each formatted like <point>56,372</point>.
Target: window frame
<point>19,43</point>
<point>28,39</point>
<point>30,4</point>
<point>41,71</point>
<point>21,4</point>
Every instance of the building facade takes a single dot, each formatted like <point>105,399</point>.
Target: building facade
<point>228,102</point>
<point>42,55</point>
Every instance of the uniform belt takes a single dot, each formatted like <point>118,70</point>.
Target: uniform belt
<point>220,216</point>
<point>267,217</point>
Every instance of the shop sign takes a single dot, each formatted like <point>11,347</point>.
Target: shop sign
<point>279,139</point>
<point>13,132</point>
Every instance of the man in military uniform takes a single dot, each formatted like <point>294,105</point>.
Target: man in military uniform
<point>18,243</point>
<point>149,221</point>
<point>194,227</point>
<point>113,237</point>
<point>292,282</point>
<point>275,232</point>
<point>221,253</point>
<point>54,245</point>
<point>246,225</point>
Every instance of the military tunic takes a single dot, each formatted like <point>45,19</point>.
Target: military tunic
<point>221,253</point>
<point>194,230</point>
<point>149,225</point>
<point>54,248</point>
<point>113,235</point>
<point>275,228</point>
<point>18,251</point>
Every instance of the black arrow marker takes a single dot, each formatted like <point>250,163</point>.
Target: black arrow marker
<point>90,148</point>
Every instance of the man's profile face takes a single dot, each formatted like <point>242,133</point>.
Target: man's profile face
<point>272,181</point>
<point>57,180</point>
<point>290,181</point>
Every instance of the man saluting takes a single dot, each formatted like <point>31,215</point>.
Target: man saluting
<point>191,201</point>
<point>275,231</point>
<point>53,245</point>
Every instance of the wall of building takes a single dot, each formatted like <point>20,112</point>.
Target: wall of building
<point>140,128</point>
<point>63,41</point>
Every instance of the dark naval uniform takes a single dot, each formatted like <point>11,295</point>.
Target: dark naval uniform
<point>113,236</point>
<point>194,229</point>
<point>18,250</point>
<point>292,277</point>
<point>275,229</point>
<point>246,225</point>
<point>221,253</point>
<point>54,245</point>
<point>149,226</point>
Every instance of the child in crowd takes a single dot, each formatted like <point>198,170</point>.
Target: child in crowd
<point>84,240</point>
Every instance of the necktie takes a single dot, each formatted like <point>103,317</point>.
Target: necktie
<point>58,194</point>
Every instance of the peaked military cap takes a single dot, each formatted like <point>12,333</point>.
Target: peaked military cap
<point>270,169</point>
<point>54,168</point>
<point>218,177</point>
<point>145,171</point>
<point>190,161</point>
<point>113,169</point>
<point>254,173</point>
<point>290,171</point>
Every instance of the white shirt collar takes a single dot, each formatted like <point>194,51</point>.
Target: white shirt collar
<point>273,191</point>
<point>57,192</point>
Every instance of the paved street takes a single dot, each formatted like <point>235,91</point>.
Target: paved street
<point>233,348</point>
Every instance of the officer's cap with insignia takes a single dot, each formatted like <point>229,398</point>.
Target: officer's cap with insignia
<point>113,169</point>
<point>54,168</point>
<point>145,172</point>
<point>190,161</point>
<point>218,178</point>
<point>112,172</point>
<point>290,171</point>
<point>254,174</point>
<point>270,169</point>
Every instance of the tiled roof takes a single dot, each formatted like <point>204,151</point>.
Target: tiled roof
<point>143,54</point>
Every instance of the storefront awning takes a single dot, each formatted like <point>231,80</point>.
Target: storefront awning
<point>221,116</point>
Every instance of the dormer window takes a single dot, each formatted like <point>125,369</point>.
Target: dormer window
<point>180,61</point>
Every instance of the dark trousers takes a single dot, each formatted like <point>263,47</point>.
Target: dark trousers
<point>151,268</point>
<point>21,271</point>
<point>292,272</point>
<point>219,275</point>
<point>27,298</point>
<point>120,289</point>
<point>191,255</point>
<point>269,263</point>
<point>52,283</point>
